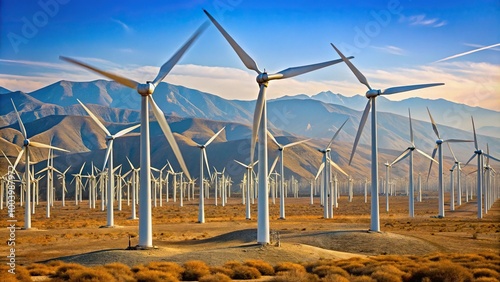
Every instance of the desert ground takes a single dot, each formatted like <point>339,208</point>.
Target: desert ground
<point>76,234</point>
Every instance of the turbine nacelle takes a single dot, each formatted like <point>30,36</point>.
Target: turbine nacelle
<point>146,89</point>
<point>26,142</point>
<point>439,141</point>
<point>372,93</point>
<point>109,137</point>
<point>479,152</point>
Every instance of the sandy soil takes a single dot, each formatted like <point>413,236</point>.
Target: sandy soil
<point>73,234</point>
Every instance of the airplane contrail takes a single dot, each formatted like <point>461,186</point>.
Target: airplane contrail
<point>468,52</point>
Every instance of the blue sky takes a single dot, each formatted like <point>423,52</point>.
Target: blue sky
<point>394,43</point>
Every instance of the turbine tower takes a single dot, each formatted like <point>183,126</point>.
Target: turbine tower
<point>204,159</point>
<point>405,154</point>
<point>260,124</point>
<point>439,150</point>
<point>146,91</point>
<point>26,150</point>
<point>372,94</point>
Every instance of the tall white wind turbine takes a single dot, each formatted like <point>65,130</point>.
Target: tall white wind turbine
<point>249,168</point>
<point>479,153</point>
<point>371,94</point>
<point>281,148</point>
<point>405,154</point>
<point>146,90</point>
<point>204,159</point>
<point>109,155</point>
<point>439,150</point>
<point>260,124</point>
<point>26,151</point>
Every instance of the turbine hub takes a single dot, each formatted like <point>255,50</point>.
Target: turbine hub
<point>109,137</point>
<point>146,89</point>
<point>479,152</point>
<point>439,141</point>
<point>372,93</point>
<point>411,148</point>
<point>26,142</point>
<point>262,78</point>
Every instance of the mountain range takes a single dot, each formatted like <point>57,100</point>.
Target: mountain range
<point>52,114</point>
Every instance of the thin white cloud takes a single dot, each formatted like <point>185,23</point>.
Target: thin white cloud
<point>390,49</point>
<point>122,24</point>
<point>422,20</point>
<point>468,52</point>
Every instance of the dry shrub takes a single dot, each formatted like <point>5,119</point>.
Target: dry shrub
<point>362,278</point>
<point>391,269</point>
<point>166,267</point>
<point>295,275</point>
<point>485,272</point>
<point>311,265</point>
<point>245,272</point>
<point>67,270</point>
<point>334,278</point>
<point>194,270</point>
<point>442,271</point>
<point>325,270</point>
<point>382,276</point>
<point>486,279</point>
<point>354,268</point>
<point>148,275</point>
<point>217,277</point>
<point>120,272</point>
<point>263,267</point>
<point>232,263</point>
<point>90,275</point>
<point>223,270</point>
<point>21,274</point>
<point>39,269</point>
<point>289,266</point>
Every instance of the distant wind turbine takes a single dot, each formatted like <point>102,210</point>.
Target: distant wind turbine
<point>372,94</point>
<point>439,150</point>
<point>204,159</point>
<point>26,151</point>
<point>260,124</point>
<point>249,168</point>
<point>146,90</point>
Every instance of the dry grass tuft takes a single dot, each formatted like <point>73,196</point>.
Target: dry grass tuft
<point>326,270</point>
<point>263,267</point>
<point>171,268</point>
<point>90,275</point>
<point>362,278</point>
<point>245,272</point>
<point>289,266</point>
<point>442,271</point>
<point>21,274</point>
<point>295,275</point>
<point>67,270</point>
<point>194,270</point>
<point>223,270</point>
<point>334,278</point>
<point>486,279</point>
<point>148,275</point>
<point>382,276</point>
<point>485,272</point>
<point>39,269</point>
<point>217,277</point>
<point>120,272</point>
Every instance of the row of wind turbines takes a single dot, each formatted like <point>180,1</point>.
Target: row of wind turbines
<point>259,136</point>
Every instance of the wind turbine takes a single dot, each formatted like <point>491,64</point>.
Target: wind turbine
<point>109,154</point>
<point>281,148</point>
<point>26,151</point>
<point>62,177</point>
<point>479,153</point>
<point>404,155</point>
<point>204,159</point>
<point>260,124</point>
<point>459,187</point>
<point>439,150</point>
<point>135,173</point>
<point>325,165</point>
<point>372,94</point>
<point>78,183</point>
<point>146,90</point>
<point>249,168</point>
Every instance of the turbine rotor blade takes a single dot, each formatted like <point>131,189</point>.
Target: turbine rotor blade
<point>401,157</point>
<point>411,128</point>
<point>453,154</point>
<point>294,71</point>
<point>18,158</point>
<point>162,121</point>
<point>240,163</point>
<point>360,129</point>
<point>108,153</point>
<point>94,118</point>
<point>337,167</point>
<point>362,79</point>
<point>273,139</point>
<point>81,169</point>
<point>119,79</point>
<point>129,162</point>
<point>434,126</point>
<point>337,133</point>
<point>320,169</point>
<point>21,125</point>
<point>167,67</point>
<point>126,130</point>
<point>473,155</point>
<point>244,57</point>
<point>45,146</point>
<point>213,137</point>
<point>273,165</point>
<point>425,155</point>
<point>491,157</point>
<point>399,89</point>
<point>474,130</point>
<point>295,143</point>
<point>257,116</point>
<point>430,166</point>
<point>457,141</point>
<point>206,162</point>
